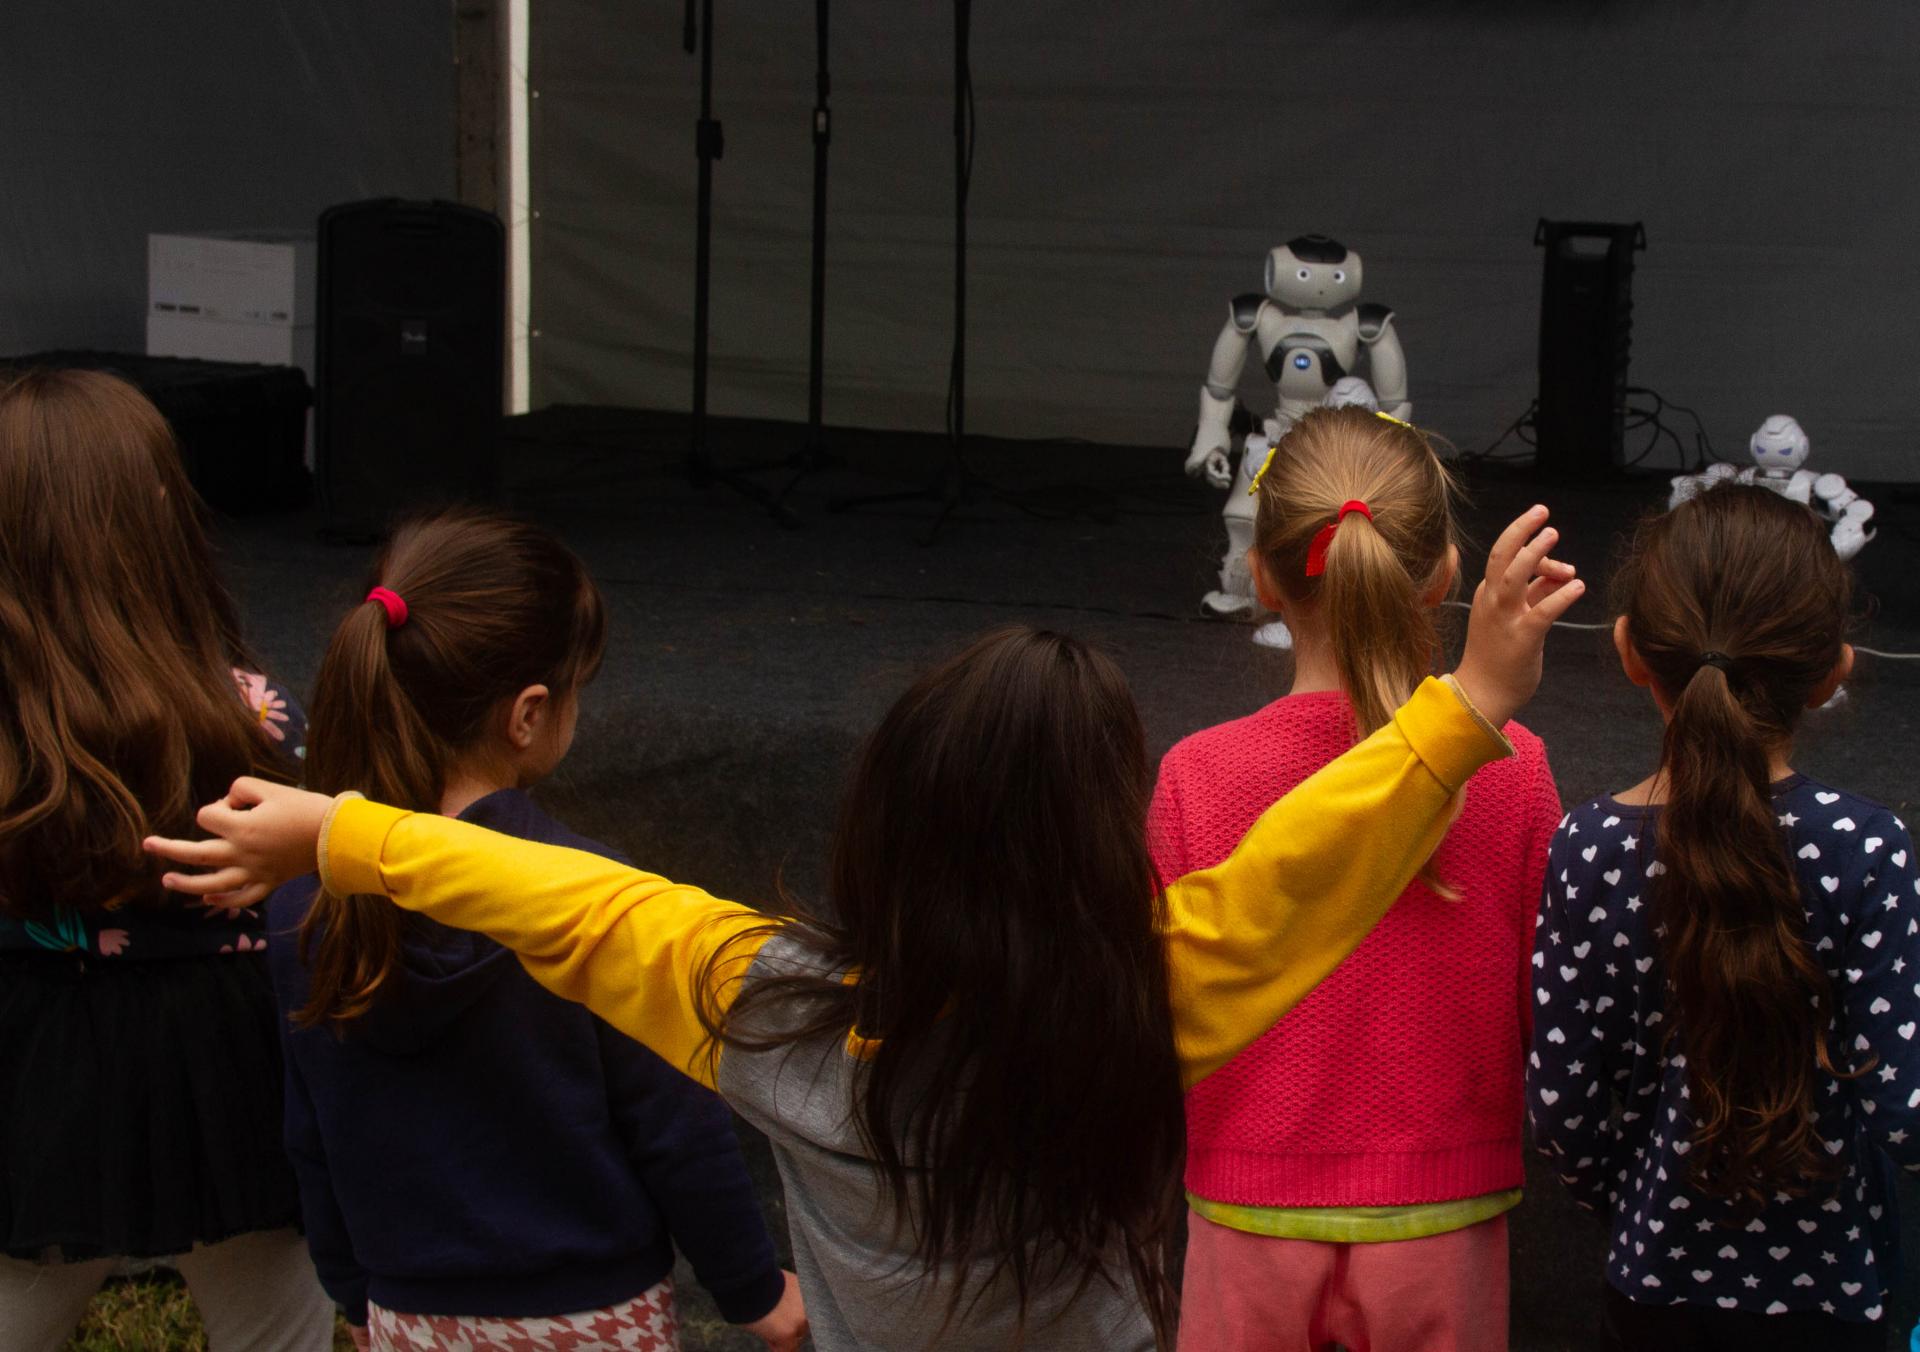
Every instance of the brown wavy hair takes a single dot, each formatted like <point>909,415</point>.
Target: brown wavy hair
<point>1371,599</point>
<point>1743,572</point>
<point>493,606</point>
<point>989,883</point>
<point>118,645</point>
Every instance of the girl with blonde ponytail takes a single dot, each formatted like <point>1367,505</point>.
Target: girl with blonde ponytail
<point>1349,1173</point>
<point>1724,1039</point>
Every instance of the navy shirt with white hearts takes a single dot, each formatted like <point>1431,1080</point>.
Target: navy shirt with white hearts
<point>1608,1105</point>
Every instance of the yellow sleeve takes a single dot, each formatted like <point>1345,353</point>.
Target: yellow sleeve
<point>624,943</point>
<point>1248,938</point>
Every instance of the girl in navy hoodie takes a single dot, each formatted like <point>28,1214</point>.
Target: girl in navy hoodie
<point>482,1164</point>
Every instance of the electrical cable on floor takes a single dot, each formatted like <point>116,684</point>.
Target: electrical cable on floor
<point>1572,624</point>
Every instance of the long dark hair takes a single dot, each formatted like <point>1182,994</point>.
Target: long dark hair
<point>493,606</point>
<point>990,886</point>
<point>118,646</point>
<point>1742,572</point>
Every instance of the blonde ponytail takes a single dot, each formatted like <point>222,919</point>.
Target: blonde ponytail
<point>1369,588</point>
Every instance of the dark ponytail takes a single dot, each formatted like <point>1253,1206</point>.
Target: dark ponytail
<point>1738,606</point>
<point>492,606</point>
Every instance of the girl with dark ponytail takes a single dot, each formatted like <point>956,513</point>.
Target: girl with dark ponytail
<point>481,1163</point>
<point>1723,1038</point>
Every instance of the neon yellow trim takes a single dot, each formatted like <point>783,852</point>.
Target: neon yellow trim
<point>1357,1224</point>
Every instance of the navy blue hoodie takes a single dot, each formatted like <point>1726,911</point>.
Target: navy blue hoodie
<point>475,1145</point>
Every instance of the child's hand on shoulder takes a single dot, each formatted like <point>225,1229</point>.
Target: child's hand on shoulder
<point>784,1327</point>
<point>264,834</point>
<point>1514,607</point>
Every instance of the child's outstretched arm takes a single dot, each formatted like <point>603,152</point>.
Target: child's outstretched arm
<point>626,944</point>
<point>1247,939</point>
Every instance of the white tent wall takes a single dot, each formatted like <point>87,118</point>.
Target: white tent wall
<point>1136,159</point>
<point>123,117</point>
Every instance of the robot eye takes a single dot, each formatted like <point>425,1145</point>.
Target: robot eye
<point>1339,276</point>
<point>1304,275</point>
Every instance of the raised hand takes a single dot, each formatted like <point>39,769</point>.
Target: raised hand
<point>264,834</point>
<point>1514,606</point>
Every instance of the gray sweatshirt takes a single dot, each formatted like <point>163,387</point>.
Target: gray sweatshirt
<point>863,1286</point>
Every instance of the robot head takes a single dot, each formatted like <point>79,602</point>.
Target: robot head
<point>1779,444</point>
<point>1313,273</point>
<point>1352,392</point>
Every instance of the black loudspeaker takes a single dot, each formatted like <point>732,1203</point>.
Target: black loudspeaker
<point>1586,330</point>
<point>409,357</point>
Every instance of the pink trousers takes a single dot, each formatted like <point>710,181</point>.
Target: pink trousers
<point>1252,1293</point>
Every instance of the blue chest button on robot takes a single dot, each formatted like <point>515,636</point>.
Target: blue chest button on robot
<point>1301,361</point>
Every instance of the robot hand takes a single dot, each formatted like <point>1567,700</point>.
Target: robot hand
<point>1685,486</point>
<point>1218,469</point>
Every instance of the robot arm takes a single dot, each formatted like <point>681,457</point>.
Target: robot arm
<point>1386,364</point>
<point>1212,438</point>
<point>1835,495</point>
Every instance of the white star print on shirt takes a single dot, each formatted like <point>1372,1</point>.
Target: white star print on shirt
<point>1599,1056</point>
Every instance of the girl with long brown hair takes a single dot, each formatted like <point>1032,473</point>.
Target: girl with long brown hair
<point>969,1059</point>
<point>140,1076</point>
<point>1349,1173</point>
<point>481,1162</point>
<point>1723,1044</point>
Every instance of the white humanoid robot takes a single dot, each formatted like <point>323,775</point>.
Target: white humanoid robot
<point>1780,449</point>
<point>1238,512</point>
<point>1310,326</point>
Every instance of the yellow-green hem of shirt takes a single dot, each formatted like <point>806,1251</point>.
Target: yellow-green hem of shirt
<point>1357,1224</point>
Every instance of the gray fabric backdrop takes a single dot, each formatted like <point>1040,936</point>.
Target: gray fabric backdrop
<point>1135,160</point>
<point>119,117</point>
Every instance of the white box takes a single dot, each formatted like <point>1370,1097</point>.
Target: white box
<point>240,277</point>
<point>177,335</point>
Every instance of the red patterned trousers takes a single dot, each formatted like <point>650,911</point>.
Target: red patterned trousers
<point>647,1323</point>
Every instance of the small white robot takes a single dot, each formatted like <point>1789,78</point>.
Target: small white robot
<point>1311,328</point>
<point>1780,449</point>
<point>1236,594</point>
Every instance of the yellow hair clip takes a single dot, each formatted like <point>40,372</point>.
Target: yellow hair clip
<point>1265,465</point>
<point>1397,422</point>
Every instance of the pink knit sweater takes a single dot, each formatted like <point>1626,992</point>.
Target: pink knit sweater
<point>1398,1080</point>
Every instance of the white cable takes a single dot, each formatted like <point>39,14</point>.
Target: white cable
<point>1871,652</point>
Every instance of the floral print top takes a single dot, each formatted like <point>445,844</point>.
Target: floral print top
<point>188,928</point>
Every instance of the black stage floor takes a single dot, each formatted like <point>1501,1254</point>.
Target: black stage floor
<point>746,660</point>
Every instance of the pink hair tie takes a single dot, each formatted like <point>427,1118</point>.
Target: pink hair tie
<point>391,602</point>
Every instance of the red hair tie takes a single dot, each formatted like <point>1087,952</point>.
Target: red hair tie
<point>1317,551</point>
<point>392,603</point>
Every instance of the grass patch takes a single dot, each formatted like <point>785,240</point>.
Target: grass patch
<point>151,1313</point>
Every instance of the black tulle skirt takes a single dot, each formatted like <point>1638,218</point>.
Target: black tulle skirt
<point>139,1106</point>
